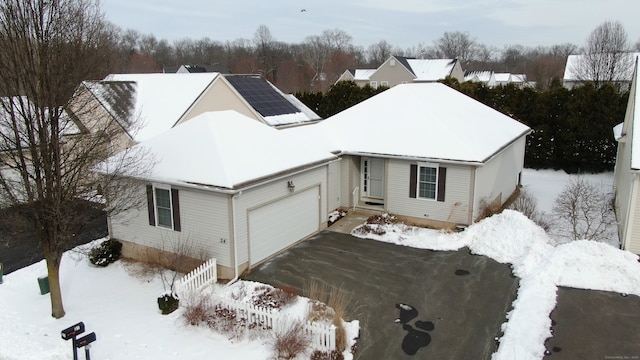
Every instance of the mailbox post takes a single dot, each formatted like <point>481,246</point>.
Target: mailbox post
<point>70,333</point>
<point>85,342</point>
<point>1,270</point>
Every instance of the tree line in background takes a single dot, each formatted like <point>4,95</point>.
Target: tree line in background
<point>572,129</point>
<point>317,62</point>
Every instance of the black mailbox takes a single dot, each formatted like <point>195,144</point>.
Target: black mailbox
<point>86,340</point>
<point>73,331</point>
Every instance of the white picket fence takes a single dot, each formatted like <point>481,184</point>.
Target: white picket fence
<point>321,335</point>
<point>198,278</point>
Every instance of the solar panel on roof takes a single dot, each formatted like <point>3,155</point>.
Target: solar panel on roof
<point>262,96</point>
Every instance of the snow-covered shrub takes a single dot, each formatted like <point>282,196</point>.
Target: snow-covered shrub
<point>335,216</point>
<point>290,341</point>
<point>168,303</point>
<point>197,309</point>
<point>107,252</point>
<point>273,298</point>
<point>382,219</point>
<point>327,355</point>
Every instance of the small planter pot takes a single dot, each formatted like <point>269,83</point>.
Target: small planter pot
<point>168,303</point>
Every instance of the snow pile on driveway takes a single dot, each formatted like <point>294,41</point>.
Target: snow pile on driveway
<point>512,238</point>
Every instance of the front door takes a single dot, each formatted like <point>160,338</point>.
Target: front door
<point>373,177</point>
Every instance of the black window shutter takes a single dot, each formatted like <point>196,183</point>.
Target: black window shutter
<point>442,180</point>
<point>413,178</point>
<point>151,206</point>
<point>175,202</point>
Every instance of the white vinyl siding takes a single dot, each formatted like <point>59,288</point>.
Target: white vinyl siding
<point>455,207</point>
<point>632,236</point>
<point>499,176</point>
<point>205,224</point>
<point>334,185</point>
<point>349,178</point>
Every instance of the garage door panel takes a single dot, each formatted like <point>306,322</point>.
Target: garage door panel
<point>278,225</point>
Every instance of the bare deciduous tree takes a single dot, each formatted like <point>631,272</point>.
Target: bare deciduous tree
<point>456,45</point>
<point>607,57</point>
<point>48,48</point>
<point>584,211</point>
<point>379,52</point>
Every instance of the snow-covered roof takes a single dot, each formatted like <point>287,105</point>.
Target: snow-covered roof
<point>307,111</point>
<point>502,77</point>
<point>363,74</point>
<point>423,121</point>
<point>518,78</point>
<point>26,112</point>
<point>571,70</point>
<point>431,69</point>
<point>225,149</point>
<point>483,76</point>
<point>160,100</point>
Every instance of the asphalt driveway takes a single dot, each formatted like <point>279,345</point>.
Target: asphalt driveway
<point>411,303</point>
<point>590,324</point>
<point>21,247</point>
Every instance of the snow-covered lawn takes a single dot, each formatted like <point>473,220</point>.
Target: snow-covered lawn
<point>121,309</point>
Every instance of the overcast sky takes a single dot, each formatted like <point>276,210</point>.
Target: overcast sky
<point>400,22</point>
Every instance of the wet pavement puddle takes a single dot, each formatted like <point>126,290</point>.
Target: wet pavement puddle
<point>417,337</point>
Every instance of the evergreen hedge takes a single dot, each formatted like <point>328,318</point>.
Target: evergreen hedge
<point>572,129</point>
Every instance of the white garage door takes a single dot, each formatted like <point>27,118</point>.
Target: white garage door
<point>275,226</point>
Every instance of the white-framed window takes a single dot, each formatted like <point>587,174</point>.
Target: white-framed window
<point>384,83</point>
<point>163,206</point>
<point>427,181</point>
<point>404,82</point>
<point>373,84</point>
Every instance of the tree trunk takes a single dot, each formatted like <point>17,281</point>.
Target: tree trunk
<point>53,270</point>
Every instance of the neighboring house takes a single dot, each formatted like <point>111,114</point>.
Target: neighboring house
<point>596,67</point>
<point>627,173</point>
<point>230,188</point>
<point>359,76</point>
<point>400,70</point>
<point>146,105</point>
<point>191,69</point>
<point>486,77</point>
<point>242,191</point>
<point>492,79</point>
<point>519,80</point>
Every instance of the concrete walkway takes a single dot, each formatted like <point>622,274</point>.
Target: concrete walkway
<point>453,302</point>
<point>352,220</point>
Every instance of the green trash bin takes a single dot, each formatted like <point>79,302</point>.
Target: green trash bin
<point>43,281</point>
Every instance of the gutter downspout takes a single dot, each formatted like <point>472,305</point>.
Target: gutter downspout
<point>233,230</point>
